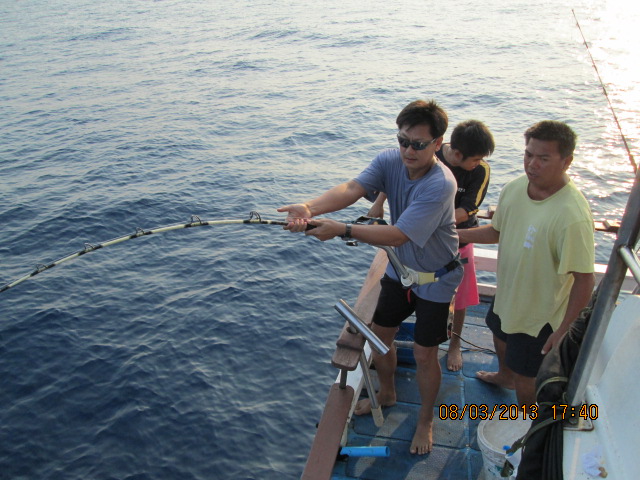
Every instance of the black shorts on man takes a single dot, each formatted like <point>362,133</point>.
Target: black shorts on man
<point>524,352</point>
<point>396,304</point>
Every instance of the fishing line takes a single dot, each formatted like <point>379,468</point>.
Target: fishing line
<point>254,218</point>
<point>615,117</point>
<point>478,347</point>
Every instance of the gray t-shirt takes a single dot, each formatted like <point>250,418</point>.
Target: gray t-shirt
<point>423,210</point>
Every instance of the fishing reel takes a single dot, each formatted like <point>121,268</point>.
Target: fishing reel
<point>363,220</point>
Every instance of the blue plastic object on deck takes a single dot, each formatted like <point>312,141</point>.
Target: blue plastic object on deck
<point>365,451</point>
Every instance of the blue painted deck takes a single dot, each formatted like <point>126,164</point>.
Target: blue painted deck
<point>456,454</point>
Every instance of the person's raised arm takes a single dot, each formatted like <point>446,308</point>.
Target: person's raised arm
<point>336,198</point>
<point>332,200</point>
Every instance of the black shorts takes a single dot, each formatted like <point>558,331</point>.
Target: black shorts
<point>524,352</point>
<point>396,304</point>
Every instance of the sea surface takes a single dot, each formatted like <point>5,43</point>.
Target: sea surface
<point>205,353</point>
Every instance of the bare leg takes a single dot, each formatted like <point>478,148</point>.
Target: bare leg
<point>429,375</point>
<point>504,377</point>
<point>525,389</point>
<point>454,356</point>
<point>386,367</point>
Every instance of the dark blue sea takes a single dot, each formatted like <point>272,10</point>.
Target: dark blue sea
<point>205,353</point>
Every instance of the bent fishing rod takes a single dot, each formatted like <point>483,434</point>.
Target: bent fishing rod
<point>254,218</point>
<point>615,117</point>
<point>407,275</point>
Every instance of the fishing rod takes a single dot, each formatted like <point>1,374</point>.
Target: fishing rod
<point>615,117</point>
<point>407,275</point>
<point>254,218</point>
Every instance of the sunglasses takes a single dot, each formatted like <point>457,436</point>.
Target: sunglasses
<point>405,143</point>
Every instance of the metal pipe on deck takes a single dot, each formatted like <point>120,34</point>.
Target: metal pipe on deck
<point>376,344</point>
<point>350,316</point>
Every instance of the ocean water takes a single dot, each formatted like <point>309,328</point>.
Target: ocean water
<point>204,353</point>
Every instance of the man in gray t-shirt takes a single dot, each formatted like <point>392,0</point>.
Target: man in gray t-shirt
<point>420,192</point>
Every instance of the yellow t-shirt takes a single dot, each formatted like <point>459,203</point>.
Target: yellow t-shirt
<point>541,242</point>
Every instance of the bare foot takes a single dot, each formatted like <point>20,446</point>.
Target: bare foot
<point>496,378</point>
<point>422,442</point>
<point>363,407</point>
<point>454,358</point>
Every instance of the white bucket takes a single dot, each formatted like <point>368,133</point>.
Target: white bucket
<point>493,435</point>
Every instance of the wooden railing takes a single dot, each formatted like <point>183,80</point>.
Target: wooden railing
<point>608,226</point>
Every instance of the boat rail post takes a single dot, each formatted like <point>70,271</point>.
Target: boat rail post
<point>621,259</point>
<point>343,378</point>
<point>376,344</point>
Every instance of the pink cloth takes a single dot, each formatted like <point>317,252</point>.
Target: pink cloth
<point>467,293</point>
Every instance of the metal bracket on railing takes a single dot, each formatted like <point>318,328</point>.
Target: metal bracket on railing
<point>376,344</point>
<point>631,260</point>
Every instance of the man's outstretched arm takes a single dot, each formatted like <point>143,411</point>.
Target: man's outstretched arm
<point>483,234</point>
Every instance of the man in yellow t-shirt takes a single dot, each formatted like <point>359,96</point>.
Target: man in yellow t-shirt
<point>544,228</point>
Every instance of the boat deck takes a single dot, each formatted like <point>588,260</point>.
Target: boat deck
<point>456,454</point>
